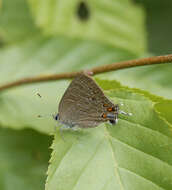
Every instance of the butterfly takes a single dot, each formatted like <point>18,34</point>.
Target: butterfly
<point>84,105</point>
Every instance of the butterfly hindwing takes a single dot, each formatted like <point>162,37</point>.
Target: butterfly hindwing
<point>83,103</point>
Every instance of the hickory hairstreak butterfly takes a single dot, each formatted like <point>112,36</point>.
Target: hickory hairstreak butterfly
<point>84,105</point>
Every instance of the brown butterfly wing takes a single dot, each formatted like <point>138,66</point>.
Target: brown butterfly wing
<point>83,103</point>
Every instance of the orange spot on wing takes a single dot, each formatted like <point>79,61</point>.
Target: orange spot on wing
<point>109,109</point>
<point>104,115</point>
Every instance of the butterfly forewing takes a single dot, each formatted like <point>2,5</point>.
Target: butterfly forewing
<point>83,103</point>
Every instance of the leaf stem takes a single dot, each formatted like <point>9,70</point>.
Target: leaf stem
<point>94,71</point>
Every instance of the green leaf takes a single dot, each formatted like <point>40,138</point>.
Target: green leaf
<point>23,159</point>
<point>16,23</point>
<point>161,105</point>
<point>165,109</point>
<point>155,79</point>
<point>46,55</point>
<point>136,153</point>
<point>117,23</point>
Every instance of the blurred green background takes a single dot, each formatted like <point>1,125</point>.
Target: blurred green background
<point>159,25</point>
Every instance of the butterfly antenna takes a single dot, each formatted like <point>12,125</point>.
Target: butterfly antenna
<point>45,116</point>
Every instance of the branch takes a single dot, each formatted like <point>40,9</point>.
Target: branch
<point>95,70</point>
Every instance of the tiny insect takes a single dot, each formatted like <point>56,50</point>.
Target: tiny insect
<point>84,105</point>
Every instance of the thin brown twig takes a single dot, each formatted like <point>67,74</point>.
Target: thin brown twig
<point>95,70</point>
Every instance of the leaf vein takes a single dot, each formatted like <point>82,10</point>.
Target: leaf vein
<point>116,171</point>
<point>81,172</point>
<point>133,173</point>
<point>125,144</point>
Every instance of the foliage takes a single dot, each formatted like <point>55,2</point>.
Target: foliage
<point>23,159</point>
<point>45,37</point>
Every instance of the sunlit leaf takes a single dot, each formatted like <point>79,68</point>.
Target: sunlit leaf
<point>155,79</point>
<point>116,23</point>
<point>134,154</point>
